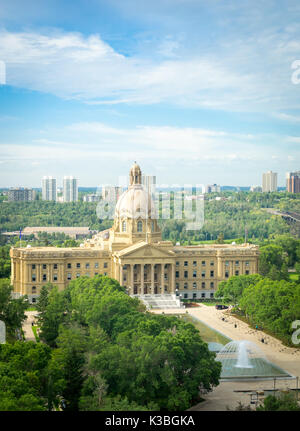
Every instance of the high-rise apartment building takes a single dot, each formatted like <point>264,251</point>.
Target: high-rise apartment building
<point>21,194</point>
<point>70,189</point>
<point>212,188</point>
<point>111,193</point>
<point>149,182</point>
<point>49,189</point>
<point>293,182</point>
<point>269,182</point>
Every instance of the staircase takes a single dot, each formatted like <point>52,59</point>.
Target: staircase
<point>159,302</point>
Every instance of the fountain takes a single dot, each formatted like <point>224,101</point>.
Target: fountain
<point>244,359</point>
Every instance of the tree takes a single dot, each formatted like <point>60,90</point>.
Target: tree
<point>283,402</point>
<point>232,290</point>
<point>12,311</point>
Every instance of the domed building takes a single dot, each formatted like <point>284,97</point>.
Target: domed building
<point>132,252</point>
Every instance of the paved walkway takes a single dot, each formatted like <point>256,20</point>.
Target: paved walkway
<point>27,327</point>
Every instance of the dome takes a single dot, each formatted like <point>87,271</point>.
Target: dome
<point>135,203</point>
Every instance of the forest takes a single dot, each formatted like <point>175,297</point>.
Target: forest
<point>100,350</point>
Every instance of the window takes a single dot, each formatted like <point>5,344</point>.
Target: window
<point>124,226</point>
<point>237,262</point>
<point>166,276</point>
<point>237,272</point>
<point>140,226</point>
<point>69,276</point>
<point>203,262</point>
<point>177,274</point>
<point>212,285</point>
<point>33,289</point>
<point>194,274</point>
<point>44,277</point>
<point>194,295</point>
<point>202,295</point>
<point>96,265</point>
<point>33,300</point>
<point>44,266</point>
<point>186,263</point>
<point>87,265</point>
<point>194,285</point>
<point>211,295</point>
<point>54,277</point>
<point>177,263</point>
<point>226,274</point>
<point>105,265</point>
<point>33,277</point>
<point>185,274</point>
<point>177,285</point>
<point>77,265</point>
<point>247,263</point>
<point>203,284</point>
<point>212,263</point>
<point>78,275</point>
<point>69,265</point>
<point>195,263</point>
<point>247,272</point>
<point>212,273</point>
<point>186,296</point>
<point>227,263</point>
<point>203,274</point>
<point>105,273</point>
<point>33,266</point>
<point>55,266</point>
<point>185,286</point>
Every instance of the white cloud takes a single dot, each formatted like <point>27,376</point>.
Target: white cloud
<point>251,74</point>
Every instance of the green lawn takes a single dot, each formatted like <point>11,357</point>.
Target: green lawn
<point>294,277</point>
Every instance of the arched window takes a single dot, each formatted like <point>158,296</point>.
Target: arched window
<point>140,226</point>
<point>124,226</point>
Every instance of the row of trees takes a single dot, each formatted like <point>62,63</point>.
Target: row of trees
<point>271,305</point>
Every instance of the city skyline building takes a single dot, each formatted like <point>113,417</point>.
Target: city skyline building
<point>22,194</point>
<point>269,182</point>
<point>70,189</point>
<point>49,192</point>
<point>293,182</point>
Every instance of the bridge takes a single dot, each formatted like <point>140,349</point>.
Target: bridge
<point>286,215</point>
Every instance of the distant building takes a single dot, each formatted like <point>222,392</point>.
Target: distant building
<point>70,189</point>
<point>256,189</point>
<point>149,182</point>
<point>111,193</point>
<point>22,194</point>
<point>91,198</point>
<point>293,182</point>
<point>49,189</point>
<point>74,232</point>
<point>269,182</point>
<point>212,188</point>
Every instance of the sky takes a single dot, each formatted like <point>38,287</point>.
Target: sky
<point>195,91</point>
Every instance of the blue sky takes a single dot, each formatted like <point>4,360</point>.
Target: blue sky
<point>197,91</point>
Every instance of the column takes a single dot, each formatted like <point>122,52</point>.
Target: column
<point>152,279</point>
<point>121,275</point>
<point>172,278</point>
<point>131,276</point>
<point>142,279</point>
<point>162,275</point>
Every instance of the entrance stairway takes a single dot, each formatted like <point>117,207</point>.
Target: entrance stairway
<point>159,302</point>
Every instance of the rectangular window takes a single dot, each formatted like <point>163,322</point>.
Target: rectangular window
<point>203,262</point>
<point>33,300</point>
<point>96,265</point>
<point>69,265</point>
<point>96,273</point>
<point>44,266</point>
<point>177,274</point>
<point>55,277</point>
<point>185,285</point>
<point>194,274</point>
<point>105,265</point>
<point>77,265</point>
<point>78,275</point>
<point>212,263</point>
<point>237,272</point>
<point>105,273</point>
<point>212,273</point>
<point>194,295</point>
<point>33,266</point>
<point>33,290</point>
<point>195,263</point>
<point>211,295</point>
<point>203,284</point>
<point>212,285</point>
<point>55,266</point>
<point>185,274</point>
<point>33,277</point>
<point>194,285</point>
<point>69,277</point>
<point>237,262</point>
<point>177,263</point>
<point>226,274</point>
<point>186,296</point>
<point>247,272</point>
<point>87,265</point>
<point>44,277</point>
<point>227,263</point>
<point>185,263</point>
<point>202,295</point>
<point>203,274</point>
<point>247,263</point>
